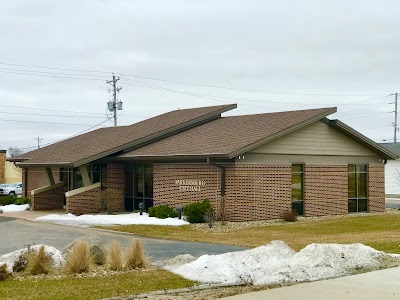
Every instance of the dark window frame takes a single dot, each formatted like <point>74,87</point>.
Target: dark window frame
<point>298,204</point>
<point>358,202</point>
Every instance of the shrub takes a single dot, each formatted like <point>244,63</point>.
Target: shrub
<point>79,259</point>
<point>3,271</point>
<point>6,200</point>
<point>165,211</point>
<point>152,211</point>
<point>23,200</point>
<point>21,262</point>
<point>135,257</point>
<point>162,212</point>
<point>114,256</point>
<point>39,262</point>
<point>290,216</point>
<point>196,212</point>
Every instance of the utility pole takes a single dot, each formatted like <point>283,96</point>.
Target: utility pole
<point>395,117</point>
<point>114,105</point>
<point>38,141</point>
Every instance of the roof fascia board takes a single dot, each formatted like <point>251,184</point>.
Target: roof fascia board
<point>159,135</point>
<point>362,139</point>
<point>172,157</point>
<point>44,165</point>
<point>282,133</point>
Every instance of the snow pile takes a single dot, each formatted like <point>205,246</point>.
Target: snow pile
<point>175,261</point>
<point>277,263</point>
<point>14,208</point>
<point>10,258</point>
<point>122,219</point>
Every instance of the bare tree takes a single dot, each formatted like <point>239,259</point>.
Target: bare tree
<point>14,151</point>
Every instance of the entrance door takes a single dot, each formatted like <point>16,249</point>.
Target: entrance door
<point>138,185</point>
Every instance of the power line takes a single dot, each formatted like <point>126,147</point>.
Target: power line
<point>188,83</point>
<point>61,116</point>
<point>42,122</point>
<point>72,135</point>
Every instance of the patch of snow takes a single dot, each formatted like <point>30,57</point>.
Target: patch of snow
<point>276,263</point>
<point>14,208</point>
<point>100,220</point>
<point>10,258</point>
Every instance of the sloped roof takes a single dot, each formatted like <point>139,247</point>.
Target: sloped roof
<point>393,147</point>
<point>228,137</point>
<point>106,141</point>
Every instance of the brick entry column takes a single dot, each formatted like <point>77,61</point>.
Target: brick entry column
<point>115,186</point>
<point>376,188</point>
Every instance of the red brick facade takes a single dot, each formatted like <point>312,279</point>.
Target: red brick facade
<point>325,190</point>
<point>167,191</point>
<point>115,187</point>
<point>257,192</point>
<point>263,191</point>
<point>84,203</point>
<point>34,178</point>
<point>50,199</point>
<point>376,188</point>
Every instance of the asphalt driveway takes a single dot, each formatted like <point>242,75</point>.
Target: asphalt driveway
<point>18,233</point>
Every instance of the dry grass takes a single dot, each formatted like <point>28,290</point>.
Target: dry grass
<point>378,231</point>
<point>79,259</point>
<point>114,256</point>
<point>39,262</point>
<point>135,257</point>
<point>98,287</point>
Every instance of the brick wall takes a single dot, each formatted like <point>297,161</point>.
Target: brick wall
<point>325,190</point>
<point>84,203</point>
<point>2,166</point>
<point>257,192</point>
<point>166,191</point>
<point>115,186</point>
<point>376,188</point>
<point>253,192</point>
<point>50,199</point>
<point>34,178</point>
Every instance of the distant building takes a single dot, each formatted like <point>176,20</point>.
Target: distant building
<point>9,173</point>
<point>392,171</point>
<point>250,167</point>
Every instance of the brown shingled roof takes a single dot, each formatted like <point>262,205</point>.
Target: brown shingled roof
<point>106,141</point>
<point>230,136</point>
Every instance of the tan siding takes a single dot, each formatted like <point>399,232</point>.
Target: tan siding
<point>251,158</point>
<point>315,139</point>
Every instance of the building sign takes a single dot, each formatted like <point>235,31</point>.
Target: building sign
<point>190,185</point>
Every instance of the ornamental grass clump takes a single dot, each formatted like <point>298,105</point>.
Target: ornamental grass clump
<point>290,216</point>
<point>39,262</point>
<point>21,262</point>
<point>3,271</point>
<point>135,257</point>
<point>79,259</point>
<point>114,256</point>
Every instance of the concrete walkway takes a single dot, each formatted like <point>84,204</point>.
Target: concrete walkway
<point>383,284</point>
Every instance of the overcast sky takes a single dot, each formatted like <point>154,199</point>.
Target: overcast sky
<point>266,56</point>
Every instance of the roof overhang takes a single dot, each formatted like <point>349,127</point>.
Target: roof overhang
<point>175,157</point>
<point>45,165</point>
<point>360,138</point>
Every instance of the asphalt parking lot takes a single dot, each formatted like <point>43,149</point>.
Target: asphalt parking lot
<point>18,233</point>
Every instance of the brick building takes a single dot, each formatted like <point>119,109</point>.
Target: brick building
<point>250,167</point>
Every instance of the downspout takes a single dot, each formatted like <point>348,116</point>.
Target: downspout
<point>222,178</point>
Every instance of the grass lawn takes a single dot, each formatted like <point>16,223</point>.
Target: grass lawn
<point>91,287</point>
<point>381,232</point>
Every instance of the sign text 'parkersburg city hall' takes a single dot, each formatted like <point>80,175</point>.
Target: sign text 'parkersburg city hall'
<point>190,185</point>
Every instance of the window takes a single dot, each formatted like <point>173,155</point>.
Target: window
<point>297,188</point>
<point>357,188</point>
<point>138,185</point>
<point>99,173</point>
